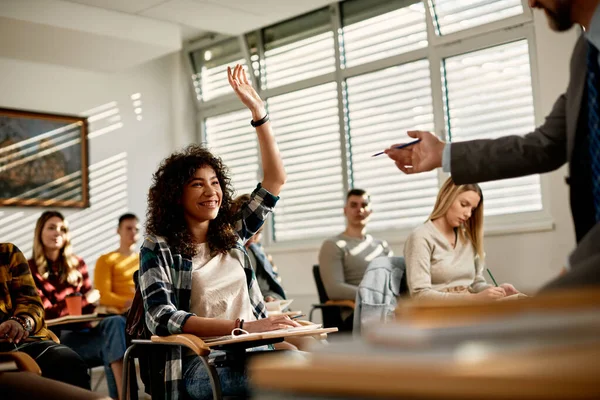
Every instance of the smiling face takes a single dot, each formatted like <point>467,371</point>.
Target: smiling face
<point>202,196</point>
<point>462,208</point>
<point>54,234</point>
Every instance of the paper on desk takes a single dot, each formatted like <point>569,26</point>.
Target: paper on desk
<point>248,335</point>
<point>278,306</point>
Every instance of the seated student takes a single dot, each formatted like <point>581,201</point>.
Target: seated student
<point>444,257</point>
<point>195,275</point>
<point>57,273</point>
<point>113,274</point>
<point>266,274</point>
<point>344,258</point>
<point>22,315</point>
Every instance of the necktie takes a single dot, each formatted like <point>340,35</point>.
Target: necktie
<point>593,80</point>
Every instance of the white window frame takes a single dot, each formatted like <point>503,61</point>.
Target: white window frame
<point>519,27</point>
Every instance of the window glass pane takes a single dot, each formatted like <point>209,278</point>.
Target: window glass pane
<point>210,64</point>
<point>306,125</point>
<point>299,49</point>
<point>382,107</point>
<point>488,95</point>
<point>231,137</point>
<point>381,35</point>
<point>457,15</point>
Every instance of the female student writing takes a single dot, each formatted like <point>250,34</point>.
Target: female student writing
<point>445,257</point>
<point>195,274</point>
<point>59,273</point>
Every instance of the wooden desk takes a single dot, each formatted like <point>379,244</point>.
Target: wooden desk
<point>571,374</point>
<point>431,313</point>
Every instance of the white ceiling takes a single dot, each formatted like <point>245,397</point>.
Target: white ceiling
<point>230,17</point>
<point>113,35</point>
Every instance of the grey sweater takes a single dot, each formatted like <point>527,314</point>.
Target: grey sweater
<point>434,266</point>
<point>343,261</point>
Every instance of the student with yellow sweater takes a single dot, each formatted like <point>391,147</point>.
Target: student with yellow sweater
<point>113,276</point>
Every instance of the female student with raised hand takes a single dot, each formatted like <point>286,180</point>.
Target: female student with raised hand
<point>195,274</point>
<point>444,257</point>
<point>58,273</point>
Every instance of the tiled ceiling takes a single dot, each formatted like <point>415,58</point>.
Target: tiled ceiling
<point>222,16</point>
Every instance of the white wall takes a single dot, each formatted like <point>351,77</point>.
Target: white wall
<point>124,152</point>
<point>527,260</point>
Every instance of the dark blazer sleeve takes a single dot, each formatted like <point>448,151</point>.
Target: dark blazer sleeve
<point>584,262</point>
<point>542,150</point>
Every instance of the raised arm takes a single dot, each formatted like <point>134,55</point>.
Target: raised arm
<point>273,171</point>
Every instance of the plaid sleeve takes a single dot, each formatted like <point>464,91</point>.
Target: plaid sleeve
<point>162,316</point>
<point>253,214</point>
<point>23,291</point>
<point>85,288</point>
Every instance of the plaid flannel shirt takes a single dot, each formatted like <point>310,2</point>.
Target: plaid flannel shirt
<point>166,283</point>
<point>18,294</point>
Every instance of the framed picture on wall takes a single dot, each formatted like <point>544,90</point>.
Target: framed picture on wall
<point>43,160</point>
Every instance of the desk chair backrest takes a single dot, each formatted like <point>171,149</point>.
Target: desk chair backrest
<point>152,363</point>
<point>323,298</point>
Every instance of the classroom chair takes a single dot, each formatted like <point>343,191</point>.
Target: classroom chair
<point>151,351</point>
<point>331,309</point>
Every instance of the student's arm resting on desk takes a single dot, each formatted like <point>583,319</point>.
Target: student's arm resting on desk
<point>417,255</point>
<point>479,283</point>
<point>331,266</point>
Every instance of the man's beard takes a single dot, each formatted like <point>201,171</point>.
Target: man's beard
<point>560,19</point>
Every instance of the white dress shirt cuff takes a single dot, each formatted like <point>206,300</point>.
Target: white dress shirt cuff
<point>446,158</point>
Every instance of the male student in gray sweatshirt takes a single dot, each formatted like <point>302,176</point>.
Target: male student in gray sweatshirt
<point>344,258</point>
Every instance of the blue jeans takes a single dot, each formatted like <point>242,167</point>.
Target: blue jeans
<point>234,382</point>
<point>103,344</point>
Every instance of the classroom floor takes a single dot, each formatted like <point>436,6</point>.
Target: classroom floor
<point>99,383</point>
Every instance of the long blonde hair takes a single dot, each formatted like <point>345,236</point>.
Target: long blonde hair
<point>473,227</point>
<point>67,262</point>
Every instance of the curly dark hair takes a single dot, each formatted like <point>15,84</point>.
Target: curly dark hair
<point>165,215</point>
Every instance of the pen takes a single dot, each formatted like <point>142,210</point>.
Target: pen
<point>492,276</point>
<point>298,316</point>
<point>398,147</point>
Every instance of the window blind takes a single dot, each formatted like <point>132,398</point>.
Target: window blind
<point>489,94</point>
<point>389,34</point>
<point>210,66</point>
<point>457,15</point>
<point>231,137</point>
<point>306,125</point>
<point>382,107</point>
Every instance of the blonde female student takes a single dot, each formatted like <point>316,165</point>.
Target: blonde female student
<point>445,257</point>
<point>196,276</point>
<point>58,273</point>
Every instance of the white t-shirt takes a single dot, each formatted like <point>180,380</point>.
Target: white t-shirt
<point>219,288</point>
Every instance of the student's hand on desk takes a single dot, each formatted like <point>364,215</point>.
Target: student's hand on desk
<point>270,324</point>
<point>12,331</point>
<point>245,92</point>
<point>420,157</point>
<point>491,293</point>
<point>509,289</point>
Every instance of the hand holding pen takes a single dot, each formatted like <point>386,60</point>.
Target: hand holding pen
<point>423,154</point>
